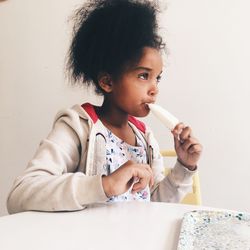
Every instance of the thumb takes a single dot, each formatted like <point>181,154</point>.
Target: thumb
<point>177,141</point>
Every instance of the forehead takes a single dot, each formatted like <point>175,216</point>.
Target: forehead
<point>151,59</point>
<point>150,56</point>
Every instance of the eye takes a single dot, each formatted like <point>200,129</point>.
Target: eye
<point>158,78</point>
<point>143,76</point>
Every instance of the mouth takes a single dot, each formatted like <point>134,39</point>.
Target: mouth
<point>150,102</point>
<point>146,105</point>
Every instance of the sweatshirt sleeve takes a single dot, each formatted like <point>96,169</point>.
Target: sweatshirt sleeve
<point>174,186</point>
<point>51,181</point>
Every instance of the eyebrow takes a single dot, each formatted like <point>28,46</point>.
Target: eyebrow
<point>144,68</point>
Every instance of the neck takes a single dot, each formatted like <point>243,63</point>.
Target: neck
<point>112,116</point>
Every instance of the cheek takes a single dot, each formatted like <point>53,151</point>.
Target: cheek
<point>130,91</point>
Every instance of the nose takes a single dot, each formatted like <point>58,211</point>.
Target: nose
<point>153,90</point>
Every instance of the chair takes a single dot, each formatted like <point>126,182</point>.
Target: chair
<point>193,198</point>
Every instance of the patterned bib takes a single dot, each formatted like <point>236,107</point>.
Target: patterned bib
<point>118,153</point>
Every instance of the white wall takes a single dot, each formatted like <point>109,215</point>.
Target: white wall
<point>205,84</point>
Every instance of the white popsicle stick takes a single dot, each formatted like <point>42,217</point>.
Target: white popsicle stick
<point>164,116</point>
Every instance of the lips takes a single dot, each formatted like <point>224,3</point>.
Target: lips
<point>146,106</point>
<point>149,102</point>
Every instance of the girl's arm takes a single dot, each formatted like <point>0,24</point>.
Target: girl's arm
<point>51,181</point>
<point>174,186</point>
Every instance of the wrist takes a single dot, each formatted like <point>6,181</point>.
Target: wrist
<point>107,187</point>
<point>189,167</point>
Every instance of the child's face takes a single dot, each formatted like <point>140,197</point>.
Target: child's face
<point>138,85</point>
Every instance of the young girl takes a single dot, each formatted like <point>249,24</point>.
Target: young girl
<point>104,154</point>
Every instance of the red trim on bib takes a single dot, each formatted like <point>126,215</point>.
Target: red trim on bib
<point>89,108</point>
<point>140,125</point>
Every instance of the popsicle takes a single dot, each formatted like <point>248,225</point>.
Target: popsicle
<point>164,116</point>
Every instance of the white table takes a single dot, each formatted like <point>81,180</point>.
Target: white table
<point>132,225</point>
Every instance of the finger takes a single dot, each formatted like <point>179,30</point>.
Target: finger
<point>177,142</point>
<point>151,174</point>
<point>181,132</point>
<point>145,175</point>
<point>149,169</point>
<point>142,183</point>
<point>178,128</point>
<point>151,182</point>
<point>195,148</point>
<point>144,169</point>
<point>139,185</point>
<point>186,144</point>
<point>130,182</point>
<point>185,133</point>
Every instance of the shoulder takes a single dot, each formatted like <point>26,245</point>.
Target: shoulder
<point>78,111</point>
<point>78,117</point>
<point>75,118</point>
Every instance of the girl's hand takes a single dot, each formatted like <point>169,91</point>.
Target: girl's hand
<point>188,149</point>
<point>121,180</point>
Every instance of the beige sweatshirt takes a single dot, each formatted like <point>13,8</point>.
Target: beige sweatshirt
<point>63,174</point>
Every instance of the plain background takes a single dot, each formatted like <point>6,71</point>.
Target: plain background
<point>205,84</point>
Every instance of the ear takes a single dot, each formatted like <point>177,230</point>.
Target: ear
<point>105,82</point>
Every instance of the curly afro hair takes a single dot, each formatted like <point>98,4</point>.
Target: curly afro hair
<point>107,35</point>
